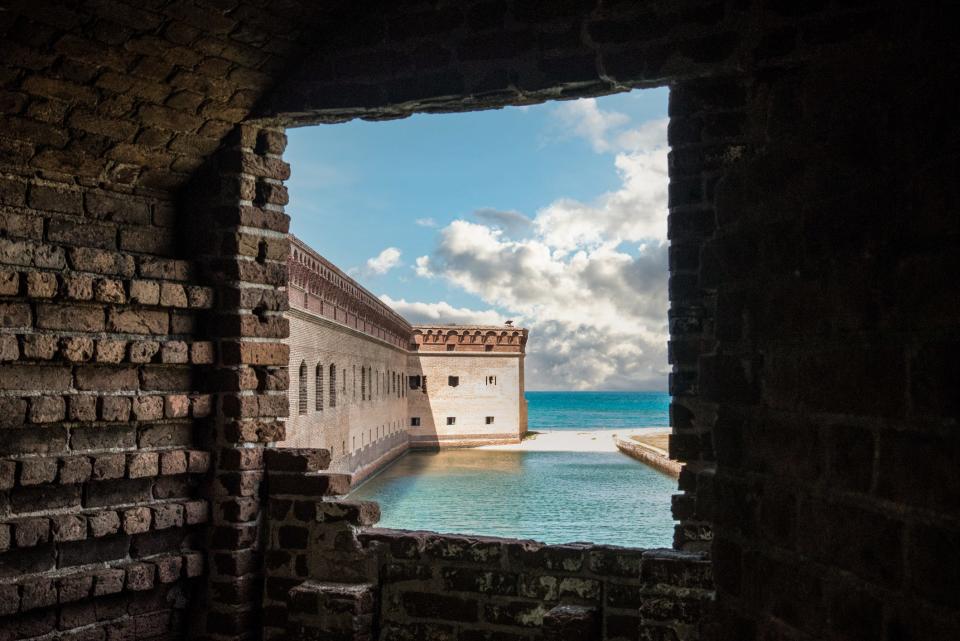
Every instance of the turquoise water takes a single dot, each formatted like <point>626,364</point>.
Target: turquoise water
<point>554,497</point>
<point>597,410</point>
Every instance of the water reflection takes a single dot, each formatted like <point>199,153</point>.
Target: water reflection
<point>555,497</point>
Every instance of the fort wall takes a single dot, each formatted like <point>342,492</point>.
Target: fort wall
<point>470,399</point>
<point>366,385</point>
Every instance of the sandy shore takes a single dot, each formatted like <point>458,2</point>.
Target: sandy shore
<point>573,441</point>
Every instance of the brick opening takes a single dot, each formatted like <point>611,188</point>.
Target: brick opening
<point>813,336</point>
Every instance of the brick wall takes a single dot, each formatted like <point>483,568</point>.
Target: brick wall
<point>329,575</point>
<point>101,513</point>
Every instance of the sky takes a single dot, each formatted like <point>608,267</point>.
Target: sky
<point>552,215</point>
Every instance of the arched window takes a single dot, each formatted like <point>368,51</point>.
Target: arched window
<point>333,385</point>
<point>318,375</point>
<point>363,382</point>
<point>302,388</point>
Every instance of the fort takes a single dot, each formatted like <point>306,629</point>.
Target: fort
<point>144,374</point>
<point>369,385</point>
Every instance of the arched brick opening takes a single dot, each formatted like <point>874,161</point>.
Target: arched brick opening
<point>813,320</point>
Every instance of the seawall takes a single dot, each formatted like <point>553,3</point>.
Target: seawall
<point>653,456</point>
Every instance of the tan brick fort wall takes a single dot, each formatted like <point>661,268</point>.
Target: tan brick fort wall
<point>361,422</point>
<point>379,404</point>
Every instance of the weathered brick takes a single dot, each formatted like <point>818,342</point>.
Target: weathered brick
<point>117,208</point>
<point>77,349</point>
<point>83,408</point>
<point>110,351</point>
<point>173,295</point>
<point>98,261</point>
<point>68,527</point>
<point>174,352</point>
<point>39,347</point>
<point>104,523</point>
<point>31,532</point>
<point>9,348</point>
<point>138,321</point>
<point>201,353</point>
<point>47,409</point>
<point>39,592</point>
<point>143,464</point>
<point>15,315</point>
<point>55,198</point>
<point>137,520</point>
<point>147,408</point>
<point>37,471</point>
<point>108,290</point>
<point>78,286</point>
<point>109,466</point>
<point>167,516</point>
<point>82,234</point>
<point>236,353</point>
<point>145,292</point>
<point>147,240</point>
<point>140,576</point>
<point>176,406</point>
<point>9,282</point>
<point>115,408</point>
<point>165,268</point>
<point>41,284</point>
<point>82,318</point>
<point>75,469</point>
<point>107,378</point>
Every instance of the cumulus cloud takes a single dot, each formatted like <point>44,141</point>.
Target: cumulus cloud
<point>588,278</point>
<point>511,222</point>
<point>426,222</point>
<point>384,261</point>
<point>442,313</point>
<point>585,118</point>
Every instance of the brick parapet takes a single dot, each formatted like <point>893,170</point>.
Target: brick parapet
<point>324,554</point>
<point>322,288</point>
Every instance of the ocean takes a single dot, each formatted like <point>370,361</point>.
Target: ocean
<point>597,410</point>
<point>553,497</point>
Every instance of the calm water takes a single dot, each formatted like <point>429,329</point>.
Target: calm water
<point>579,410</point>
<point>554,497</point>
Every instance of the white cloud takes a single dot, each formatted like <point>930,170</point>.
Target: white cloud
<point>585,119</point>
<point>589,278</point>
<point>384,261</point>
<point>426,222</point>
<point>422,267</point>
<point>442,313</point>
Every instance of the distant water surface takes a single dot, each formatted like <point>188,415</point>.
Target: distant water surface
<point>554,497</point>
<point>597,410</point>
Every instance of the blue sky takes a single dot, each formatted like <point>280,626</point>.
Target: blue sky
<point>458,216</point>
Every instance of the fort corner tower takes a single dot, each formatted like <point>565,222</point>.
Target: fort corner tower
<point>467,384</point>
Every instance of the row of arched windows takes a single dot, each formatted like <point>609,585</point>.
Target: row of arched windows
<point>302,400</point>
<point>371,382</point>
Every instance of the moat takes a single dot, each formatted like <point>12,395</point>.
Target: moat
<point>554,497</point>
